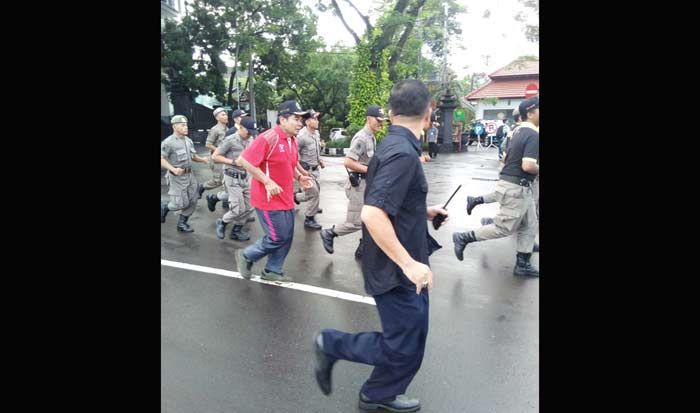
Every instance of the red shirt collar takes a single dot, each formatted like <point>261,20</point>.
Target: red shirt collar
<point>280,132</point>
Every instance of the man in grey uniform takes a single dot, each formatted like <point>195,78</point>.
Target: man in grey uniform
<point>361,151</point>
<point>214,139</point>
<point>514,192</point>
<point>236,181</point>
<point>309,141</point>
<point>176,155</point>
<point>237,115</point>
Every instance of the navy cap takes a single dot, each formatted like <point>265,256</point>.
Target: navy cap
<point>376,111</point>
<point>250,125</point>
<point>528,104</point>
<point>289,107</point>
<point>238,112</point>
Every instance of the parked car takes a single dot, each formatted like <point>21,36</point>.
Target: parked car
<point>338,133</point>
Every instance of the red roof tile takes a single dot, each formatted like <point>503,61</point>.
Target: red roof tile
<point>503,88</point>
<point>516,68</point>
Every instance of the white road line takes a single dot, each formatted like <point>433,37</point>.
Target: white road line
<point>256,278</point>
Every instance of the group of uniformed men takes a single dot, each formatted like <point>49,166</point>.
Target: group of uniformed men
<point>386,192</point>
<point>516,189</point>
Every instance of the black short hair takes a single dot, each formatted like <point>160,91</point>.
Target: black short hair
<point>283,116</point>
<point>409,97</point>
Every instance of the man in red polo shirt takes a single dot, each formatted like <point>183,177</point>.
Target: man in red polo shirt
<point>271,159</point>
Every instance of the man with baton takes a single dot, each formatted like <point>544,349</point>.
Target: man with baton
<point>394,264</point>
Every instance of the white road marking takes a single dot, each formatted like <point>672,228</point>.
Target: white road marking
<point>256,278</point>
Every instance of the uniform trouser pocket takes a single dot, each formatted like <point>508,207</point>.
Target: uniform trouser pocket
<point>183,194</point>
<point>239,200</point>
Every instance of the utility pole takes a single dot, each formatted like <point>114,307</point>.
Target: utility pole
<point>252,84</point>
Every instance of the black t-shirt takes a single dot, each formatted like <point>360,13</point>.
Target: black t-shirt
<point>396,184</point>
<point>525,143</point>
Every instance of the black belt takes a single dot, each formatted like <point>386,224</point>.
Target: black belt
<point>516,180</point>
<point>187,170</point>
<point>235,174</point>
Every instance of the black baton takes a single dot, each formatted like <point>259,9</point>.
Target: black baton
<point>439,218</point>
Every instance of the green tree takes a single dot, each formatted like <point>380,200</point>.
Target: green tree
<point>267,33</point>
<point>368,85</point>
<point>532,31</point>
<point>321,82</point>
<point>396,26</point>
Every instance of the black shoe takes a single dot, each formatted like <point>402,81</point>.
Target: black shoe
<point>211,202</point>
<point>239,234</point>
<point>224,205</point>
<point>200,190</point>
<point>358,251</point>
<point>250,219</point>
<point>220,228</point>
<point>310,222</point>
<point>536,248</point>
<point>182,224</point>
<point>323,365</point>
<point>472,202</point>
<point>523,266</point>
<point>461,239</point>
<point>163,211</point>
<point>402,403</point>
<point>486,221</point>
<point>327,236</point>
<point>244,266</point>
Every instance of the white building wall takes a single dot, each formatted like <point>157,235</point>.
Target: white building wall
<point>502,104</point>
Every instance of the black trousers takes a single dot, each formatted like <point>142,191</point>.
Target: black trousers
<point>396,352</point>
<point>432,149</point>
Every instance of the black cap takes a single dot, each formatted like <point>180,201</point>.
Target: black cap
<point>238,112</point>
<point>528,104</point>
<point>250,125</point>
<point>230,131</point>
<point>376,111</point>
<point>290,107</point>
<point>313,114</point>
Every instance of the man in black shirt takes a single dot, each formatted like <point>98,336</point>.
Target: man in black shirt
<point>394,262</point>
<point>491,197</point>
<point>514,192</point>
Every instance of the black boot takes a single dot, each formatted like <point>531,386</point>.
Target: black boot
<point>472,202</point>
<point>224,205</point>
<point>461,239</point>
<point>310,222</point>
<point>239,234</point>
<point>211,202</point>
<point>358,251</point>
<point>220,228</point>
<point>327,236</point>
<point>486,221</point>
<point>163,211</point>
<point>182,225</point>
<point>200,190</point>
<point>536,248</point>
<point>523,266</point>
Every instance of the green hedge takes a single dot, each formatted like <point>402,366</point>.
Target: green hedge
<point>339,143</point>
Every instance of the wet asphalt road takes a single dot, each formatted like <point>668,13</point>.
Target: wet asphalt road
<point>230,345</point>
